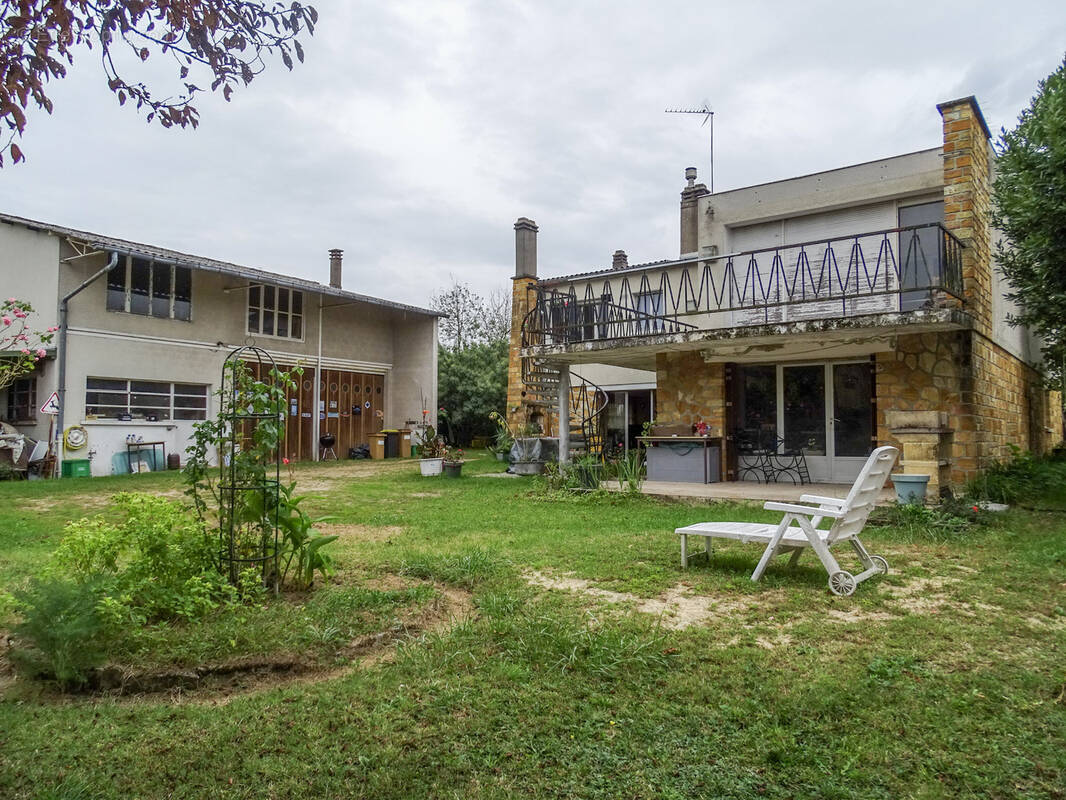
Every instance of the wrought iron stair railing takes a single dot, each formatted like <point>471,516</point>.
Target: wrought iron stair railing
<point>587,401</point>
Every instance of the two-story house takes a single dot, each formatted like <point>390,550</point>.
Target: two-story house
<point>830,312</point>
<point>145,330</point>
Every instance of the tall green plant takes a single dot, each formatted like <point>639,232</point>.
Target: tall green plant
<point>245,507</point>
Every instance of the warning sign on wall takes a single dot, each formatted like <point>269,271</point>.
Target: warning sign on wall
<point>51,405</point>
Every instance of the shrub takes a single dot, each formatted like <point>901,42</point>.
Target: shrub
<point>156,562</point>
<point>1019,478</point>
<point>60,618</point>
<point>950,520</point>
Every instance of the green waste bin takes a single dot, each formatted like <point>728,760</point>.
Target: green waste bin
<point>76,468</point>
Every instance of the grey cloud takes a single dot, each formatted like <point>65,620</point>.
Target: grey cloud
<point>416,133</point>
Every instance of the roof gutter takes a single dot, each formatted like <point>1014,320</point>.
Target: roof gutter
<point>64,307</point>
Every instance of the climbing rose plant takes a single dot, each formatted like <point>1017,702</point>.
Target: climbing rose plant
<point>21,345</point>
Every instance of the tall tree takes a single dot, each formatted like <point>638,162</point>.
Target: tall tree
<point>472,364</point>
<point>1029,206</point>
<point>224,41</point>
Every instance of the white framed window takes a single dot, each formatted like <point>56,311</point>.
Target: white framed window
<point>150,288</point>
<point>115,397</point>
<point>275,311</point>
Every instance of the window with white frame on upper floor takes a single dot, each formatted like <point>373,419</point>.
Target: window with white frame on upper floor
<point>161,400</point>
<point>275,311</point>
<point>22,400</point>
<point>150,288</point>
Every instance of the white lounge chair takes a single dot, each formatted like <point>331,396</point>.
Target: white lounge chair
<point>849,516</point>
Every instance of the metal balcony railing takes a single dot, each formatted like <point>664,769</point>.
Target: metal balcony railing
<point>894,270</point>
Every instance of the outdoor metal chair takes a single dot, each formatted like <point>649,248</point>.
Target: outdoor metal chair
<point>768,459</point>
<point>849,516</point>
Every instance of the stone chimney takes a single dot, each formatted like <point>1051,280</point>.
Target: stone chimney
<point>335,257</point>
<point>968,201</point>
<point>620,260</point>
<point>525,248</point>
<point>690,213</point>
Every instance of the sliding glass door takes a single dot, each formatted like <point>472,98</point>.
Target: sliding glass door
<point>824,409</point>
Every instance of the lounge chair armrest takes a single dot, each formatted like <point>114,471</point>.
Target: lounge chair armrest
<point>790,508</point>
<point>827,501</point>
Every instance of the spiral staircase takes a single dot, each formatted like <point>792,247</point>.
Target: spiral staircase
<point>588,402</point>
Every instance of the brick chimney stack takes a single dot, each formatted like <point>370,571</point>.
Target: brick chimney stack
<point>690,212</point>
<point>335,257</point>
<point>620,260</point>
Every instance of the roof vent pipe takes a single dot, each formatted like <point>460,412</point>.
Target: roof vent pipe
<point>335,257</point>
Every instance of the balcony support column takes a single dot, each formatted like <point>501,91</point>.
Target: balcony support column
<point>563,402</point>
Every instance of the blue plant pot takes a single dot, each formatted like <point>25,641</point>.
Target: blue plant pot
<point>910,488</point>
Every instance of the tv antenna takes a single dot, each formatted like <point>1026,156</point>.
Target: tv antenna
<point>708,116</point>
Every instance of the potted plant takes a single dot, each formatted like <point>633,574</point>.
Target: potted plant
<point>527,451</point>
<point>453,462</point>
<point>431,448</point>
<point>503,439</point>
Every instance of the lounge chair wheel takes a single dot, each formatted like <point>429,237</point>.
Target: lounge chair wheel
<point>842,583</point>
<point>880,563</point>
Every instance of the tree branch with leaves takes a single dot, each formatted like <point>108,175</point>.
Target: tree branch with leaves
<point>226,41</point>
<point>21,346</point>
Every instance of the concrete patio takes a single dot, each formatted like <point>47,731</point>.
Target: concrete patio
<point>747,490</point>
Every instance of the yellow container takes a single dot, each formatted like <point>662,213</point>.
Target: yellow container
<point>377,445</point>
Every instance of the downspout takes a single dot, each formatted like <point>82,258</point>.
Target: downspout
<point>64,304</point>
<point>316,421</point>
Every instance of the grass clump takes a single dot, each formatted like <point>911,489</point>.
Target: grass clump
<point>1023,477</point>
<point>465,569</point>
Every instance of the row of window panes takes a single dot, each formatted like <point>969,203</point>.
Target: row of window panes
<point>139,286</point>
<point>107,397</point>
<point>22,400</point>
<point>275,311</point>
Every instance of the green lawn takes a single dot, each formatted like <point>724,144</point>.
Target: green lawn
<point>945,679</point>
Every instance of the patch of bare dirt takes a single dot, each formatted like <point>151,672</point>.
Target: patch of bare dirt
<point>678,607</point>
<point>922,595</point>
<point>85,501</point>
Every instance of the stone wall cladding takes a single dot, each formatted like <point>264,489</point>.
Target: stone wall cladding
<point>993,400</point>
<point>518,411</point>
<point>689,390</point>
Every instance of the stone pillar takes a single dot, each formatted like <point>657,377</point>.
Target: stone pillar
<point>968,201</point>
<point>925,443</point>
<point>563,402</point>
<point>690,213</point>
<point>522,298</point>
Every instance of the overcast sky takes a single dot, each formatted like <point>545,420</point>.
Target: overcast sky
<point>416,133</point>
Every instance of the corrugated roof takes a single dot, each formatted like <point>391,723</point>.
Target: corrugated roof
<point>102,242</point>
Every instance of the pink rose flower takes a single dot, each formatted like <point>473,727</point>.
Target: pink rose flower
<point>7,320</point>
<point>41,352</point>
